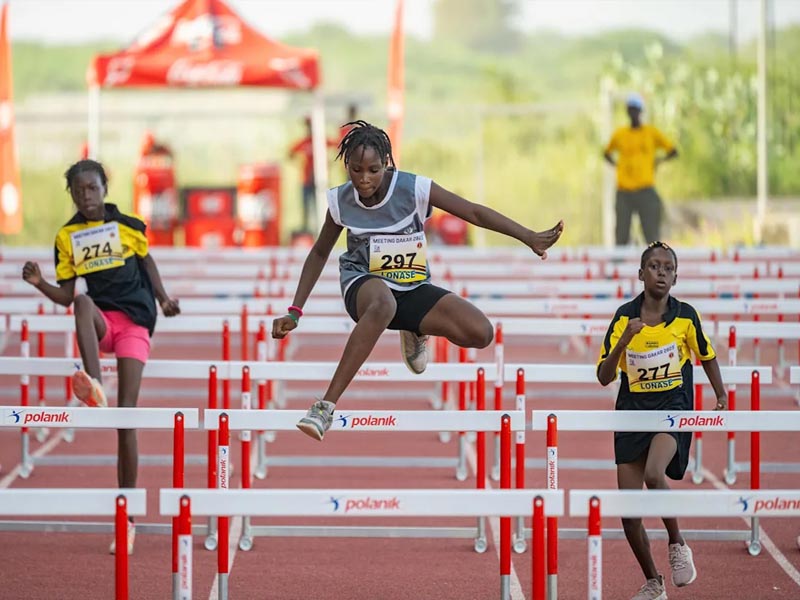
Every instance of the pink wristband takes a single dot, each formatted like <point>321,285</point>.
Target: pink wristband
<point>296,309</point>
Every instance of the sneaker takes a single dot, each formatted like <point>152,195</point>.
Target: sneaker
<point>318,419</point>
<point>415,351</point>
<point>652,590</point>
<point>112,549</point>
<point>88,390</point>
<point>682,565</point>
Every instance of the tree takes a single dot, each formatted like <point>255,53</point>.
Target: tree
<point>486,25</point>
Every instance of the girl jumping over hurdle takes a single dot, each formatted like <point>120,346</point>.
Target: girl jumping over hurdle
<point>650,341</point>
<point>118,312</point>
<point>384,274</point>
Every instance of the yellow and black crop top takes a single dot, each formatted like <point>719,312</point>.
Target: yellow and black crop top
<point>658,359</point>
<point>107,254</point>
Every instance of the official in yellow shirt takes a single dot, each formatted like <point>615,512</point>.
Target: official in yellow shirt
<point>636,151</point>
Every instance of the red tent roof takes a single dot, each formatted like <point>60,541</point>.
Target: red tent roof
<point>203,43</point>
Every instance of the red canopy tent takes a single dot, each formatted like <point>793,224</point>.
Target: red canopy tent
<point>203,44</point>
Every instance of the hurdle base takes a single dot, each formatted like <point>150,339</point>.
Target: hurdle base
<point>713,535</point>
<point>85,460</point>
<point>362,532</point>
<point>769,467</point>
<point>89,527</point>
<point>362,461</point>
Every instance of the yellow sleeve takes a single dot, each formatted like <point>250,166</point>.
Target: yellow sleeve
<point>65,265</point>
<point>613,143</point>
<point>661,141</point>
<point>698,340</point>
<point>615,330</point>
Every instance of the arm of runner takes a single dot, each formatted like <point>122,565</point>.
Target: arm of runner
<point>312,268</point>
<point>62,294</point>
<point>486,218</point>
<point>711,367</point>
<point>607,371</point>
<point>169,306</point>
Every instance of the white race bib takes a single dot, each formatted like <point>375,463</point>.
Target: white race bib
<point>655,370</point>
<point>401,258</point>
<point>97,248</point>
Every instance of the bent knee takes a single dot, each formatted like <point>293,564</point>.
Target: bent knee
<point>381,309</point>
<point>478,335</point>
<point>654,479</point>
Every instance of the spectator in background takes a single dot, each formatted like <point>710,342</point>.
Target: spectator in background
<point>303,149</point>
<point>633,151</point>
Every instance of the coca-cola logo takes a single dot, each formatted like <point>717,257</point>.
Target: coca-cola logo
<point>119,70</point>
<point>290,70</point>
<point>206,31</point>
<point>216,72</point>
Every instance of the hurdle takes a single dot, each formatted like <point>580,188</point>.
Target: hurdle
<point>359,503</point>
<point>353,421</point>
<point>595,504</point>
<point>667,421</point>
<point>119,503</point>
<point>754,331</point>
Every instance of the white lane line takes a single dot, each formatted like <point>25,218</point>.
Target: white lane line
<point>45,448</point>
<point>493,524</point>
<point>766,541</point>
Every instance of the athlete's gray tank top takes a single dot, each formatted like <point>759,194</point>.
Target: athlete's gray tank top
<point>394,226</point>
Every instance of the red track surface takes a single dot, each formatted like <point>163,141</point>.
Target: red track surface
<point>66,565</point>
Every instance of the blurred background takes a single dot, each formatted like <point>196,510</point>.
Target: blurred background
<point>507,102</point>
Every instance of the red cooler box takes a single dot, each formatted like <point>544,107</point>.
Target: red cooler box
<point>258,193</point>
<point>155,198</point>
<point>209,216</point>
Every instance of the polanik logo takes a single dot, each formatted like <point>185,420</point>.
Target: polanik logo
<point>365,504</point>
<point>779,505</point>
<point>365,422</point>
<point>688,421</point>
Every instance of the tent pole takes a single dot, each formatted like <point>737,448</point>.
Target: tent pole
<point>319,152</point>
<point>94,122</point>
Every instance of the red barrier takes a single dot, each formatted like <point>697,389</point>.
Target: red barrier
<point>538,550</point>
<point>121,557</point>
<point>480,443</point>
<point>178,473</point>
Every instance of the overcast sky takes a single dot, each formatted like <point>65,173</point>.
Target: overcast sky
<point>81,20</point>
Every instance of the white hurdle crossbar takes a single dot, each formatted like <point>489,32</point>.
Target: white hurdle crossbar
<point>119,503</point>
<point>671,422</point>
<point>352,421</point>
<point>596,504</point>
<point>359,503</point>
<point>72,417</point>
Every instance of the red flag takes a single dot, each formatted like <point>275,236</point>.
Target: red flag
<point>10,197</point>
<point>396,83</point>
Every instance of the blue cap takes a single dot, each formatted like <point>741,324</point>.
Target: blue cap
<point>635,100</point>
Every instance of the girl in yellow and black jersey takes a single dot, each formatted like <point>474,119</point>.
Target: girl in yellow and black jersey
<point>650,342</point>
<point>109,250</point>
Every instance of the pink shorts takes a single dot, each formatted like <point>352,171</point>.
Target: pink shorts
<point>123,337</point>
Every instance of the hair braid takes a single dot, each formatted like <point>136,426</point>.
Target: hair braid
<point>366,135</point>
<point>83,166</point>
<point>651,248</point>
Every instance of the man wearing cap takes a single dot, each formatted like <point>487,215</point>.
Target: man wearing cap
<point>632,150</point>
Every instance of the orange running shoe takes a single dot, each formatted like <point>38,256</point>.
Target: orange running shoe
<point>88,390</point>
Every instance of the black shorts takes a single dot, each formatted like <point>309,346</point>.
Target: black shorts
<point>412,306</point>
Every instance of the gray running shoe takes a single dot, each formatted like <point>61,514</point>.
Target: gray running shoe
<point>682,565</point>
<point>653,589</point>
<point>414,350</point>
<point>318,419</point>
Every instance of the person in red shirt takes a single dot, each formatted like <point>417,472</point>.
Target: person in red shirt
<point>303,149</point>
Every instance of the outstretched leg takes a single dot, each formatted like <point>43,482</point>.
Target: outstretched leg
<point>458,320</point>
<point>376,307</point>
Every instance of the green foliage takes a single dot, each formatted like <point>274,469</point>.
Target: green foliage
<point>518,131</point>
<point>478,24</point>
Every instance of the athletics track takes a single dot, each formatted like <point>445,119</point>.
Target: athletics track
<point>69,565</point>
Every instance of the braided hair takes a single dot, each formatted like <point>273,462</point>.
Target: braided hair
<point>83,166</point>
<point>369,136</point>
<point>651,248</point>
